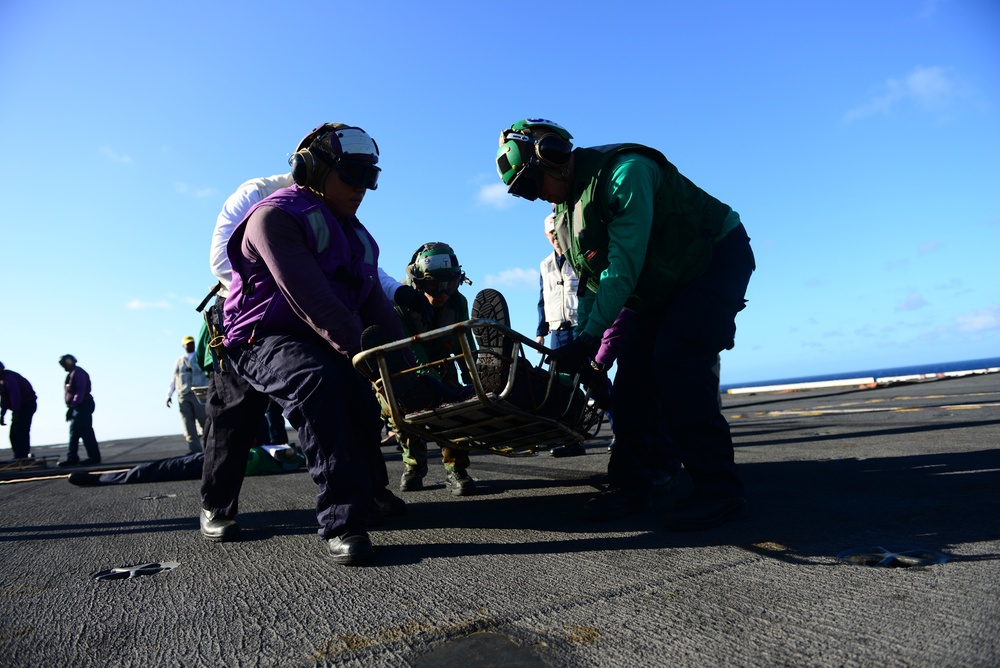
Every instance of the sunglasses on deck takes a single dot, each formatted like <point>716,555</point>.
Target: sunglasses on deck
<point>358,174</point>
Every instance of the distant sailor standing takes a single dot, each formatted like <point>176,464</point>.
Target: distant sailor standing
<point>18,397</point>
<point>187,376</point>
<point>80,414</point>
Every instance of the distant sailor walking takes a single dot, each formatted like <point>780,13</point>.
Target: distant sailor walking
<point>18,397</point>
<point>187,376</point>
<point>80,414</point>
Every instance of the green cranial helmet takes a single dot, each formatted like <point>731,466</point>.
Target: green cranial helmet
<point>529,147</point>
<point>538,126</point>
<point>434,261</point>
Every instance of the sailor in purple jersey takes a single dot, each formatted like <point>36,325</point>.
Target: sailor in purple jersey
<point>304,287</point>
<point>18,397</point>
<point>80,414</point>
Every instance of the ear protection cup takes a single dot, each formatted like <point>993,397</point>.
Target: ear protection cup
<point>302,164</point>
<point>306,169</point>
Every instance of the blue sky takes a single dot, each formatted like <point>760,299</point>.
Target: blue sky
<point>859,141</point>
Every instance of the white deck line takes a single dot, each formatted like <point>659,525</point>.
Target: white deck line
<point>858,382</point>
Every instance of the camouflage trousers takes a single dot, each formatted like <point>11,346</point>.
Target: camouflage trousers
<point>415,454</point>
<point>415,448</point>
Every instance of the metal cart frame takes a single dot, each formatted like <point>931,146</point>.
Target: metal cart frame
<point>489,421</point>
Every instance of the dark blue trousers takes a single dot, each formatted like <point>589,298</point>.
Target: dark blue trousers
<point>559,338</point>
<point>233,419</point>
<point>81,427</point>
<point>337,417</point>
<point>234,423</point>
<point>275,424</point>
<point>20,429</point>
<point>665,381</point>
<point>185,467</point>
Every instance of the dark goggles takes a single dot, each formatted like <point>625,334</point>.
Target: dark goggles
<point>552,150</point>
<point>432,287</point>
<point>527,183</point>
<point>358,174</point>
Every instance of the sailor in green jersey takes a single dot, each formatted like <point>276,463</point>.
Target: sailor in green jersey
<point>435,273</point>
<point>642,236</point>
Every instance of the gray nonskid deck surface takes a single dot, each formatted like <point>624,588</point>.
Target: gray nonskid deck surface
<point>514,577</point>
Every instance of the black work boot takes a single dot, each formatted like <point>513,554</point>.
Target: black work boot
<point>704,512</point>
<point>412,480</point>
<point>351,549</point>
<point>217,527</point>
<point>84,479</point>
<point>614,503</point>
<point>460,483</point>
<point>387,503</point>
<point>495,349</point>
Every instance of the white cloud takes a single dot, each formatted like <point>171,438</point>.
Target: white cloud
<point>185,189</point>
<point>138,304</point>
<point>513,278</point>
<point>930,247</point>
<point>495,195</point>
<point>116,157</point>
<point>912,302</point>
<point>979,321</point>
<point>930,88</point>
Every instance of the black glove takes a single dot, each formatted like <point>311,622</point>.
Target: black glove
<point>600,387</point>
<point>575,356</point>
<point>413,299</point>
<point>69,414</point>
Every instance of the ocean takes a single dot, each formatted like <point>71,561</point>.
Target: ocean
<point>940,367</point>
